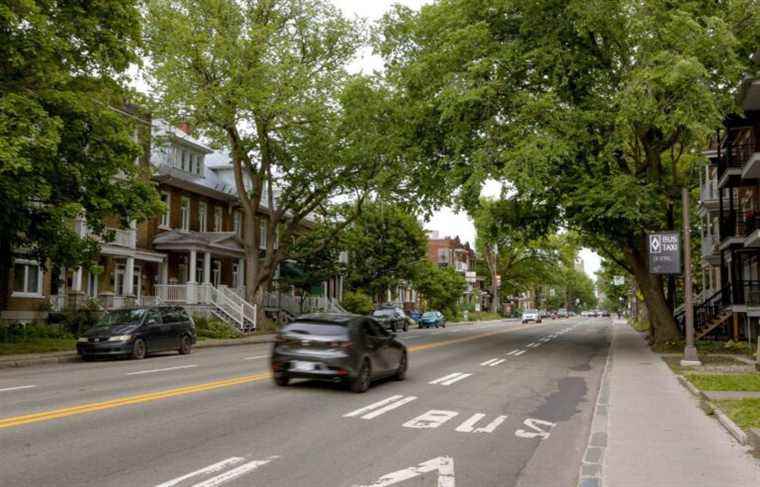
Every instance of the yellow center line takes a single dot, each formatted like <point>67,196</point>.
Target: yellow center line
<point>181,391</point>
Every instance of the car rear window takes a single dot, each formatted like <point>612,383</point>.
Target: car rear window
<point>317,329</point>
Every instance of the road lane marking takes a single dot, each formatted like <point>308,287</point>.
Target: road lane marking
<point>531,345</point>
<point>16,388</point>
<point>167,369</point>
<point>500,361</point>
<point>513,352</point>
<point>129,400</point>
<point>235,473</point>
<point>538,429</point>
<point>381,407</point>
<point>443,465</point>
<point>217,467</point>
<point>430,420</point>
<point>489,362</point>
<point>450,379</point>
<point>255,357</point>
<point>52,414</point>
<point>469,425</point>
<point>519,353</point>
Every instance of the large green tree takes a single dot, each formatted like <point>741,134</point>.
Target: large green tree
<point>63,140</point>
<point>596,108</point>
<point>267,81</point>
<point>442,287</point>
<point>385,245</point>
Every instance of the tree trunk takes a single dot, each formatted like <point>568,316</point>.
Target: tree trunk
<point>663,325</point>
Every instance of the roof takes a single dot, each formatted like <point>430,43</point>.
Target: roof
<point>329,317</point>
<point>226,243</point>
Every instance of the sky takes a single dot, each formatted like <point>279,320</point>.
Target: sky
<point>445,221</point>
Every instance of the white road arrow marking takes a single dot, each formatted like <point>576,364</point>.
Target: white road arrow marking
<point>234,473</point>
<point>469,425</point>
<point>381,407</point>
<point>537,425</point>
<point>217,467</point>
<point>431,419</point>
<point>444,466</point>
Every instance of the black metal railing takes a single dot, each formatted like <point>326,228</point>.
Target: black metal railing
<point>734,156</point>
<point>730,225</point>
<point>751,223</point>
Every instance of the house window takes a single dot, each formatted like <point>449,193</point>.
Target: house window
<point>27,278</point>
<point>262,236</point>
<point>217,219</point>
<point>236,275</point>
<point>92,284</point>
<point>166,216</point>
<point>202,216</point>
<point>199,164</point>
<point>443,255</point>
<point>183,159</point>
<point>236,223</point>
<point>184,214</point>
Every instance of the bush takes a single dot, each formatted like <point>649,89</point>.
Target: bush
<point>357,302</point>
<point>19,332</point>
<point>78,321</point>
<point>210,327</point>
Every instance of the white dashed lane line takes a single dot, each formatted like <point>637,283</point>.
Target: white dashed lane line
<point>16,388</point>
<point>255,357</point>
<point>447,380</point>
<point>381,407</point>
<point>167,369</point>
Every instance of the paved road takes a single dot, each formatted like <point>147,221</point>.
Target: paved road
<point>496,404</point>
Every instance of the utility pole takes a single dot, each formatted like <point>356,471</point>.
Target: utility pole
<point>690,357</point>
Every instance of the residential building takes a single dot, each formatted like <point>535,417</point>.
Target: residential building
<point>451,252</point>
<point>729,210</point>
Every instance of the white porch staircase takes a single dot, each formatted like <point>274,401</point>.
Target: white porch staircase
<point>222,302</point>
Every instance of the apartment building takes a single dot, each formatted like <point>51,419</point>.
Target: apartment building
<point>453,253</point>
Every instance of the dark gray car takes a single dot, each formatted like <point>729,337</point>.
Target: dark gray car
<point>337,347</point>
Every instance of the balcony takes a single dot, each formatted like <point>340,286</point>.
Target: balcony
<point>752,230</point>
<point>737,162</point>
<point>731,229</point>
<point>126,238</point>
<point>750,154</point>
<point>710,249</point>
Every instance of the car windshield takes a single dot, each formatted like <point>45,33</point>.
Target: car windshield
<point>316,328</point>
<point>384,312</point>
<point>121,317</point>
<point>430,314</point>
<point>530,311</point>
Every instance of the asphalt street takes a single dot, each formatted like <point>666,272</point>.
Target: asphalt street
<point>494,404</point>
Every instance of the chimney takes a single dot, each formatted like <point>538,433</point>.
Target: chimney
<point>185,127</point>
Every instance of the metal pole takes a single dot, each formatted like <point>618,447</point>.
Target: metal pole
<point>690,356</point>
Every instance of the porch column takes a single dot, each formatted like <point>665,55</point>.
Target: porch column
<point>193,259</point>
<point>76,285</point>
<point>207,267</point>
<point>129,277</point>
<point>241,273</point>
<point>164,271</point>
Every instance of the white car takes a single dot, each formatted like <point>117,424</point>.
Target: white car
<point>531,315</point>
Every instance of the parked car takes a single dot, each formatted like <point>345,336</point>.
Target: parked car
<point>531,315</point>
<point>415,315</point>
<point>432,319</point>
<point>337,347</point>
<point>136,332</point>
<point>392,318</point>
<point>562,313</point>
<point>605,313</point>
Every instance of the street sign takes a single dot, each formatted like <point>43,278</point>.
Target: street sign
<point>665,253</point>
<point>618,280</point>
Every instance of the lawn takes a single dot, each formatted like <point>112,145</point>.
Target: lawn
<point>744,412</point>
<point>707,361</point>
<point>38,345</point>
<point>726,382</point>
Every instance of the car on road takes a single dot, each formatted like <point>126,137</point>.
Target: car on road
<point>531,315</point>
<point>562,313</point>
<point>137,332</point>
<point>604,313</point>
<point>430,319</point>
<point>338,347</point>
<point>392,318</point>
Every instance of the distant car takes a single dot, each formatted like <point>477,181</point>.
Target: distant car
<point>531,315</point>
<point>415,315</point>
<point>136,332</point>
<point>605,313</point>
<point>337,347</point>
<point>432,319</point>
<point>392,318</point>
<point>562,313</point>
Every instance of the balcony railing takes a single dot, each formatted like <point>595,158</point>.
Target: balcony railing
<point>709,243</point>
<point>735,156</point>
<point>730,225</point>
<point>121,237</point>
<point>751,223</point>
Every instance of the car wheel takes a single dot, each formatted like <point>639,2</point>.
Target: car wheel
<point>402,366</point>
<point>139,350</point>
<point>363,379</point>
<point>281,379</point>
<point>443,325</point>
<point>185,345</point>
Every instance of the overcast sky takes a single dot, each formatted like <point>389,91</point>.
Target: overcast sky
<point>446,221</point>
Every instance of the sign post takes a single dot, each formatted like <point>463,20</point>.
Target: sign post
<point>690,357</point>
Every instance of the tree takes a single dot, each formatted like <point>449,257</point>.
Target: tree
<point>441,286</point>
<point>385,245</point>
<point>63,139</point>
<point>596,109</point>
<point>267,81</point>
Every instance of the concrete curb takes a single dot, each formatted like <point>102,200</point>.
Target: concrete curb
<point>753,439</point>
<point>739,435</point>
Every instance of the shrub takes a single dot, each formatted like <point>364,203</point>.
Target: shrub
<point>210,327</point>
<point>19,332</point>
<point>357,302</point>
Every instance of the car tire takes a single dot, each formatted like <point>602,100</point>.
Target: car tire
<point>363,379</point>
<point>139,349</point>
<point>281,379</point>
<point>185,345</point>
<point>443,325</point>
<point>403,365</point>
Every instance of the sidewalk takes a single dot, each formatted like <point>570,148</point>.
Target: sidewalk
<point>657,433</point>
